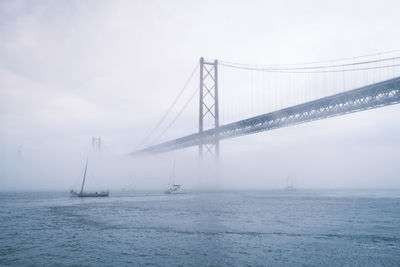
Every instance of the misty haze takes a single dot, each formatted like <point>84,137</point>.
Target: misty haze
<point>199,133</point>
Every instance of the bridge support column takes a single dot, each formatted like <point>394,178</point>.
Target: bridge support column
<point>208,106</point>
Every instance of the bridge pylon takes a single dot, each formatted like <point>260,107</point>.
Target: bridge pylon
<point>208,106</point>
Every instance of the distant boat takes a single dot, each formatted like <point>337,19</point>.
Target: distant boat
<point>289,184</point>
<point>87,194</point>
<point>172,187</point>
<point>290,188</point>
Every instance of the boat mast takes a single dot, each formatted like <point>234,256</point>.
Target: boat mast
<point>173,173</point>
<point>84,175</point>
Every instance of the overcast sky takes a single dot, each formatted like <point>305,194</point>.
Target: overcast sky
<point>70,70</point>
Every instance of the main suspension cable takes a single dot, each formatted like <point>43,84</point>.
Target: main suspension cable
<point>176,117</point>
<point>317,71</point>
<point>315,62</point>
<point>169,109</point>
<point>263,68</point>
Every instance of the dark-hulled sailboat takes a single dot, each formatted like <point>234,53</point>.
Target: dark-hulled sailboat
<point>87,194</point>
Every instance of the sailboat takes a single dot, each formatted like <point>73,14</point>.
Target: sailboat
<point>172,187</point>
<point>87,194</point>
<point>289,184</point>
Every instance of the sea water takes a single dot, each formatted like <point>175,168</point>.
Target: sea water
<point>219,228</point>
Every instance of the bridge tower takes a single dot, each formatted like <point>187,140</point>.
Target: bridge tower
<point>208,106</point>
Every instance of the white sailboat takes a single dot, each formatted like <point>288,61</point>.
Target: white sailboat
<point>172,187</point>
<point>289,184</point>
<point>87,194</point>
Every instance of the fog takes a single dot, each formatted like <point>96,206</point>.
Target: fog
<point>71,70</point>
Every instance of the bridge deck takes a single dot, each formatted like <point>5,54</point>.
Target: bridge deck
<point>367,97</point>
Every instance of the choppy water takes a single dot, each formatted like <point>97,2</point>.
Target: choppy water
<point>216,228</point>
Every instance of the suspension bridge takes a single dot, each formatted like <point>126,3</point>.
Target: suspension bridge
<point>236,99</point>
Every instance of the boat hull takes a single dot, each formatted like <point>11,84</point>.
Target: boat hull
<point>84,194</point>
<point>170,192</point>
<point>175,189</point>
